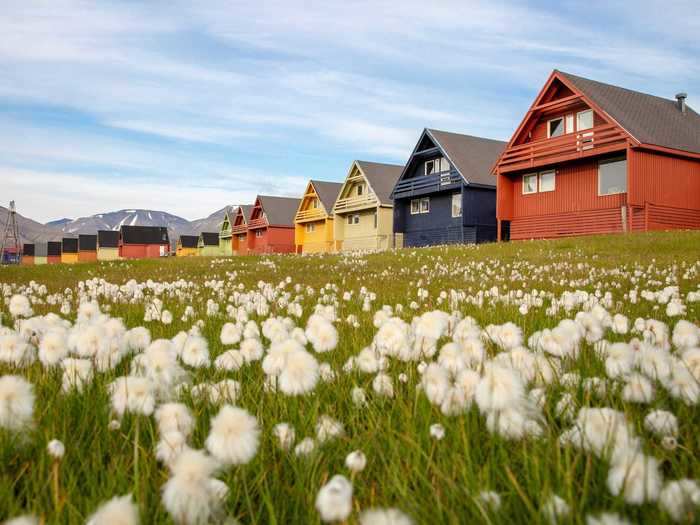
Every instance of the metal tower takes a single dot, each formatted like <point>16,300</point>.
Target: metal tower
<point>10,238</point>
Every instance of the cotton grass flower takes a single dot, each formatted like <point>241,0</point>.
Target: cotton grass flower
<point>16,402</point>
<point>389,516</point>
<point>120,510</point>
<point>680,499</point>
<point>234,436</point>
<point>76,374</point>
<point>328,428</point>
<point>195,352</point>
<point>174,417</point>
<point>437,431</point>
<point>356,461</point>
<point>285,435</point>
<point>20,306</point>
<point>171,444</point>
<point>556,509</point>
<point>56,449</point>
<point>383,385</point>
<point>22,520</point>
<point>334,499</point>
<point>607,518</point>
<point>300,373</point>
<point>132,394</point>
<point>491,499</point>
<point>53,348</point>
<point>636,477</point>
<point>661,423</point>
<point>499,388</point>
<point>305,447</point>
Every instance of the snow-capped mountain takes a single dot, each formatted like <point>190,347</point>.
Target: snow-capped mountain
<point>115,219</point>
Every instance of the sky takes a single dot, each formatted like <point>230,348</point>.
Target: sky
<point>189,106</point>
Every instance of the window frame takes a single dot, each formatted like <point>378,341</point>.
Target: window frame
<point>425,200</point>
<point>417,210</point>
<point>526,176</point>
<point>425,167</point>
<point>356,218</point>
<point>569,123</point>
<point>578,119</point>
<point>452,205</point>
<point>549,127</point>
<point>258,233</point>
<point>539,180</point>
<point>612,161</point>
<point>310,227</point>
<point>360,190</point>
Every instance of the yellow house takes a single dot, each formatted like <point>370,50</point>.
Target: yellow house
<point>69,250</point>
<point>187,246</point>
<point>225,233</point>
<point>313,223</point>
<point>364,211</point>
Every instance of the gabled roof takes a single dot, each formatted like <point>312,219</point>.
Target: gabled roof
<point>244,210</point>
<point>209,238</point>
<point>280,211</point>
<point>108,238</point>
<point>188,241</point>
<point>144,235</point>
<point>381,178</point>
<point>327,192</point>
<point>471,156</point>
<point>649,119</point>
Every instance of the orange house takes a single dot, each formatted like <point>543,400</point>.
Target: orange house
<point>590,158</point>
<point>271,225</point>
<point>239,229</point>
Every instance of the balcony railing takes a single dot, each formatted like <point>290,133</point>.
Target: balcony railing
<point>257,223</point>
<point>593,141</point>
<point>239,228</point>
<point>310,215</point>
<point>424,184</point>
<point>225,233</point>
<point>355,203</point>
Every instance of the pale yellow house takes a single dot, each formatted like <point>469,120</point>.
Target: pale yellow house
<point>364,211</point>
<point>313,222</point>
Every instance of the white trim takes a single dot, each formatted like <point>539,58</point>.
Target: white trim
<point>610,161</point>
<point>417,201</point>
<point>563,123</point>
<point>539,180</point>
<point>536,184</point>
<point>426,200</point>
<point>425,167</point>
<point>569,123</point>
<point>578,119</point>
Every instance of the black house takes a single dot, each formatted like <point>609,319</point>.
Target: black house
<point>446,193</point>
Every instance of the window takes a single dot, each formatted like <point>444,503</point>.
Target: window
<point>349,219</point>
<point>360,189</point>
<point>584,120</point>
<point>356,219</point>
<point>429,167</point>
<point>310,227</point>
<point>420,205</point>
<point>456,205</point>
<point>376,219</point>
<point>529,184</point>
<point>612,176</point>
<point>547,180</point>
<point>258,233</point>
<point>570,123</point>
<point>436,166</point>
<point>555,127</point>
<point>242,237</point>
<point>314,203</point>
<point>425,205</point>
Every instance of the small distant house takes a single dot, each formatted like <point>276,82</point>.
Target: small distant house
<point>446,193</point>
<point>592,158</point>
<point>239,229</point>
<point>107,245</point>
<point>41,250</point>
<point>69,250</point>
<point>87,248</point>
<point>313,223</point>
<point>363,212</point>
<point>208,244</point>
<point>143,242</point>
<point>187,246</point>
<point>225,234</point>
<point>53,252</point>
<point>28,254</point>
<point>271,225</point>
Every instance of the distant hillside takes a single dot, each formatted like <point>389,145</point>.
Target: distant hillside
<point>58,222</point>
<point>211,223</point>
<point>30,231</point>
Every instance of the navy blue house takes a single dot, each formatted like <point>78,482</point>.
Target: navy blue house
<point>446,193</point>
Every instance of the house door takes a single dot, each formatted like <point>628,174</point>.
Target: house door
<point>505,230</point>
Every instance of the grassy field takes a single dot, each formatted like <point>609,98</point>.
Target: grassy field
<point>430,480</point>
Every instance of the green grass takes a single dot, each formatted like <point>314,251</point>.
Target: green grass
<point>434,482</point>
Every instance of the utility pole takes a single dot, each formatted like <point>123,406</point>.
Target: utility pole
<point>10,238</point>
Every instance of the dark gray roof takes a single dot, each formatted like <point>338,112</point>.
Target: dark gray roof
<point>188,241</point>
<point>381,177</point>
<point>472,156</point>
<point>87,243</point>
<point>209,238</point>
<point>327,192</point>
<point>245,209</point>
<point>144,235</point>
<point>280,211</point>
<point>648,118</point>
<point>69,245</point>
<point>108,238</point>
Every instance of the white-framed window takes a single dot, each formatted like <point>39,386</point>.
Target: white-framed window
<point>569,123</point>
<point>356,219</point>
<point>584,120</point>
<point>349,219</point>
<point>258,233</point>
<point>555,127</point>
<point>438,165</point>
<point>456,205</point>
<point>415,206</point>
<point>429,167</point>
<point>425,205</point>
<point>529,183</point>
<point>310,227</point>
<point>360,189</point>
<point>547,180</point>
<point>612,176</point>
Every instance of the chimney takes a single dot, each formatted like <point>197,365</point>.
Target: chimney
<point>680,97</point>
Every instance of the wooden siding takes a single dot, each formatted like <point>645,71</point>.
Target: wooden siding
<point>318,241</point>
<point>275,239</point>
<point>107,254</point>
<point>364,236</point>
<point>87,255</point>
<point>567,224</point>
<point>27,260</point>
<point>143,251</point>
<point>69,258</point>
<point>663,180</point>
<point>576,190</point>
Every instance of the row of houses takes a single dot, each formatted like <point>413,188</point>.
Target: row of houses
<point>587,157</point>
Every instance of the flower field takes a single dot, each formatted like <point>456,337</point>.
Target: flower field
<point>531,382</point>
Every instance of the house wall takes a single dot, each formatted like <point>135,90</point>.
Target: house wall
<point>425,229</point>
<point>107,254</point>
<point>87,256</point>
<point>318,241</point>
<point>186,252</point>
<point>53,259</point>
<point>361,236</point>
<point>69,258</point>
<point>663,180</point>
<point>239,244</point>
<point>275,239</point>
<point>141,251</point>
<point>28,260</point>
<point>225,246</point>
<point>209,251</point>
<point>40,259</point>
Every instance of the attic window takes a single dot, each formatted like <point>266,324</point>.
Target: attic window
<point>438,165</point>
<point>360,189</point>
<point>584,120</point>
<point>314,203</point>
<point>555,127</point>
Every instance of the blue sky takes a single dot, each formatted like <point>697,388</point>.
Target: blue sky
<point>188,106</point>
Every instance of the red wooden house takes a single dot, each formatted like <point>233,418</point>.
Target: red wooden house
<point>593,158</point>
<point>271,225</point>
<point>239,229</point>
<point>143,242</point>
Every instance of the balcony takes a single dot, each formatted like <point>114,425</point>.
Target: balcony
<point>257,223</point>
<point>225,233</point>
<point>312,214</point>
<point>239,228</point>
<point>592,142</point>
<point>424,184</point>
<point>355,203</point>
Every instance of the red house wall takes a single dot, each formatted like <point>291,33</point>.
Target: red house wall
<point>275,239</point>
<point>141,251</point>
<point>539,130</point>
<point>87,256</point>
<point>53,259</point>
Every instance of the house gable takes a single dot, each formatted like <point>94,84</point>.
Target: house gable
<point>311,207</point>
<point>356,192</point>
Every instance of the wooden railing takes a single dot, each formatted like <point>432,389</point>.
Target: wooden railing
<point>225,233</point>
<point>238,229</point>
<point>593,141</point>
<point>423,184</point>
<point>354,203</point>
<point>257,223</point>
<point>310,214</point>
